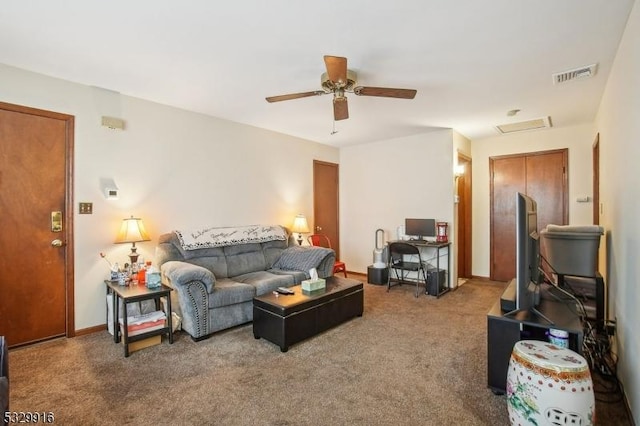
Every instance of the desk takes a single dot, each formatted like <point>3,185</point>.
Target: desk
<point>137,293</point>
<point>504,331</point>
<point>436,288</point>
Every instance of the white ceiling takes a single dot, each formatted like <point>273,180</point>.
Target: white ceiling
<point>471,61</point>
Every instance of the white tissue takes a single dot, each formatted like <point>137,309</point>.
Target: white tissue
<point>313,274</point>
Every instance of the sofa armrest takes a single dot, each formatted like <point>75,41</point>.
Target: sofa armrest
<point>193,284</point>
<point>182,273</point>
<point>325,267</point>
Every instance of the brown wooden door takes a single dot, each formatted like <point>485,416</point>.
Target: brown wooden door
<point>463,230</point>
<point>325,202</point>
<point>36,277</point>
<point>542,176</point>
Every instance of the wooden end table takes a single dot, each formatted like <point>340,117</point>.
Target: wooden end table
<point>137,293</point>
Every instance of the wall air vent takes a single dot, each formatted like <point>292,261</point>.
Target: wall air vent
<point>538,123</point>
<point>576,74</point>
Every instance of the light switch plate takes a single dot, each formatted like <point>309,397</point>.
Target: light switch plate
<point>86,208</point>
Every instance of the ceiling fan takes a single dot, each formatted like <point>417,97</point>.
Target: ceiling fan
<point>340,80</point>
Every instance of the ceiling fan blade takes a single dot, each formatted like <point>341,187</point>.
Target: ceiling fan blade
<point>385,92</point>
<point>294,96</point>
<point>336,69</point>
<point>340,109</point>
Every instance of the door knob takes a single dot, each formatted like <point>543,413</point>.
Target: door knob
<point>57,243</point>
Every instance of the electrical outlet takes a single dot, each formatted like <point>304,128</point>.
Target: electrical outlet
<point>86,208</point>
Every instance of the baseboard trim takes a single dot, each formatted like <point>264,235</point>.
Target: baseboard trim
<point>480,278</point>
<point>91,330</point>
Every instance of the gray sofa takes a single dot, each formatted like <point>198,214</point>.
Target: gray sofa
<point>214,286</point>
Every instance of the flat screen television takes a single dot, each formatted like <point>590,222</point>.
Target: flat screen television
<point>527,252</point>
<point>528,275</point>
<point>418,229</point>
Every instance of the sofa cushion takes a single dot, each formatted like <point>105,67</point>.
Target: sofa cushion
<point>244,258</point>
<point>230,292</point>
<point>297,276</point>
<point>273,249</point>
<point>265,282</point>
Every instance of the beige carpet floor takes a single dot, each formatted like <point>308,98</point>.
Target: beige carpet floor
<point>406,361</point>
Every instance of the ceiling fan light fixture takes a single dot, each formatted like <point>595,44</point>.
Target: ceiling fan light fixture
<point>338,80</point>
<point>329,86</point>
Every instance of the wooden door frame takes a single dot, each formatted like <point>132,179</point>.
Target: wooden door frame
<point>596,180</point>
<point>69,121</point>
<point>467,217</point>
<point>595,153</point>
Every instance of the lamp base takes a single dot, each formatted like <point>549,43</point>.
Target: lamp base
<point>133,256</point>
<point>300,239</point>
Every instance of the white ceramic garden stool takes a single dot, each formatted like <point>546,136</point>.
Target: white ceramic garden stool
<point>548,385</point>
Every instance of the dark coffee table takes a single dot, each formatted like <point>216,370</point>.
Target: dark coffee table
<point>285,320</point>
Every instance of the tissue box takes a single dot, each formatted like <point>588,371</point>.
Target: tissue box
<point>153,280</point>
<point>313,285</point>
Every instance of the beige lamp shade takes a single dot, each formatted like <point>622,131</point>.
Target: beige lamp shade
<point>300,226</point>
<point>132,231</point>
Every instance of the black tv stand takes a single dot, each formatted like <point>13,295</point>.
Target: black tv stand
<point>533,311</point>
<point>504,329</point>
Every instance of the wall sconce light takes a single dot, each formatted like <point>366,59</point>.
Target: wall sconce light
<point>132,231</point>
<point>300,226</point>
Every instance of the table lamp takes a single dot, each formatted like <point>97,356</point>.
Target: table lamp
<point>300,226</point>
<point>132,231</point>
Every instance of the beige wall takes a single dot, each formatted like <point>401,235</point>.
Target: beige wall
<point>618,122</point>
<point>578,139</point>
<point>382,183</point>
<point>173,168</point>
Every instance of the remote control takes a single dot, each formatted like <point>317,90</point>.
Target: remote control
<point>284,290</point>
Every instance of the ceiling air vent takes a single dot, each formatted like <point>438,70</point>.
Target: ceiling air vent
<point>538,123</point>
<point>576,74</point>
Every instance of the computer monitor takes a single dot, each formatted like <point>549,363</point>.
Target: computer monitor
<point>420,228</point>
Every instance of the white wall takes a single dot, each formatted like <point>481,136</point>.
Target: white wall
<point>618,123</point>
<point>579,141</point>
<point>382,183</point>
<point>174,168</point>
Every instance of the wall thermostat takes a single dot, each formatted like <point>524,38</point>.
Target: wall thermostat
<point>111,193</point>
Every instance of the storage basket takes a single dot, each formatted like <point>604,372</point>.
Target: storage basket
<point>571,250</point>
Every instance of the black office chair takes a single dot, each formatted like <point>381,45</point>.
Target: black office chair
<point>397,262</point>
